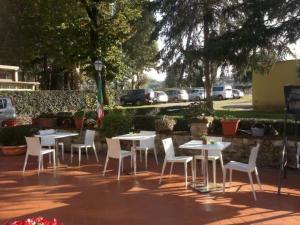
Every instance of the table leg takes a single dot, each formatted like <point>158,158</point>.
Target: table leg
<point>134,157</point>
<point>205,175</point>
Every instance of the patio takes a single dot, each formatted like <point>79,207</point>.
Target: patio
<point>83,196</point>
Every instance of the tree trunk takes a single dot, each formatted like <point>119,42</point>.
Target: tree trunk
<point>206,61</point>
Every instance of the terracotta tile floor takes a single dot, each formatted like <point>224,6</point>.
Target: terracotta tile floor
<point>83,196</point>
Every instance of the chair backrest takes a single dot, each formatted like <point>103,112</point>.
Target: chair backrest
<point>169,148</point>
<point>48,131</point>
<point>149,142</point>
<point>113,148</point>
<point>89,137</point>
<point>48,140</point>
<point>253,155</point>
<point>215,139</point>
<point>33,145</point>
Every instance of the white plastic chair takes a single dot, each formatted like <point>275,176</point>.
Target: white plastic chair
<point>170,157</point>
<point>88,143</point>
<point>244,167</point>
<point>49,141</point>
<point>114,151</point>
<point>34,148</point>
<point>147,145</point>
<point>212,156</point>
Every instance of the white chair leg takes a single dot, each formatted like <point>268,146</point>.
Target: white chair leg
<point>224,179</point>
<point>155,155</point>
<point>95,151</point>
<point>195,170</point>
<point>105,166</point>
<point>222,163</point>
<point>79,156</point>
<point>146,159</point>
<point>54,159</point>
<point>214,171</point>
<point>50,156</point>
<point>25,163</point>
<point>171,168</point>
<point>163,170</point>
<point>257,178</point>
<point>62,150</point>
<point>185,173</point>
<point>42,162</point>
<point>134,162</point>
<point>230,177</point>
<point>71,153</point>
<point>86,152</point>
<point>119,170</point>
<point>39,164</point>
<point>252,186</point>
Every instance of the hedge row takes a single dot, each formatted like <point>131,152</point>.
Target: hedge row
<point>37,102</point>
<point>182,124</point>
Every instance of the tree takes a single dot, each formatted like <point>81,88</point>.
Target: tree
<point>238,33</point>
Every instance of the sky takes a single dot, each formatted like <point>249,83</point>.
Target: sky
<point>155,75</point>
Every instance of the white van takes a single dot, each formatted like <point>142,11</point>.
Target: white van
<point>7,109</point>
<point>222,92</point>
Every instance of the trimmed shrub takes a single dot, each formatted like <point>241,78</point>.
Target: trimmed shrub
<point>11,136</point>
<point>37,102</point>
<point>116,123</point>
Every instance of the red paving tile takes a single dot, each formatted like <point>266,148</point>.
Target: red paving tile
<point>83,196</point>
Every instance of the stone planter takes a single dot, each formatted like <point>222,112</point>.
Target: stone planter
<point>198,129</point>
<point>13,150</point>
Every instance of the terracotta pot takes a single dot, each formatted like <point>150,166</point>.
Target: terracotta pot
<point>230,127</point>
<point>13,150</point>
<point>10,123</point>
<point>79,122</point>
<point>47,122</point>
<point>204,142</point>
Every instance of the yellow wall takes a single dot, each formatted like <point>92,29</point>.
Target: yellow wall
<point>267,89</point>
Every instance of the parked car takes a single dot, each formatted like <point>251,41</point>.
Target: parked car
<point>196,94</point>
<point>7,109</point>
<point>160,97</point>
<point>222,92</point>
<point>177,95</point>
<point>236,93</point>
<point>138,97</point>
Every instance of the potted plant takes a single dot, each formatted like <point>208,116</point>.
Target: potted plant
<point>117,123</point>
<point>90,123</point>
<point>79,118</point>
<point>229,125</point>
<point>64,119</point>
<point>165,124</point>
<point>11,122</point>
<point>204,139</point>
<point>258,130</point>
<point>12,139</point>
<point>200,117</point>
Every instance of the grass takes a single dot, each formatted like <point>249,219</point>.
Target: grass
<point>237,108</point>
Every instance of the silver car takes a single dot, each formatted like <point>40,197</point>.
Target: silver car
<point>196,94</point>
<point>177,95</point>
<point>7,109</point>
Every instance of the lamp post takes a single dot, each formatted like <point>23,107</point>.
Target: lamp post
<point>98,67</point>
<point>203,80</point>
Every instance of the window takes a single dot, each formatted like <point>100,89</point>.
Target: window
<point>217,88</point>
<point>3,103</point>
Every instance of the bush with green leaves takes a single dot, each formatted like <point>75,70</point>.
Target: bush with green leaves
<point>11,136</point>
<point>37,102</point>
<point>117,123</point>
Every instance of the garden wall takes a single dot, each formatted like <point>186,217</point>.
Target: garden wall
<point>36,102</point>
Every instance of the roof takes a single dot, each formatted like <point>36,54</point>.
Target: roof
<point>5,67</point>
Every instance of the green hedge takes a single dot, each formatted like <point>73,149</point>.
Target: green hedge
<point>37,102</point>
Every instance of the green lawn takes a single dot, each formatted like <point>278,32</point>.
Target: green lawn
<point>238,108</point>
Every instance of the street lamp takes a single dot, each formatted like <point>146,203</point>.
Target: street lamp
<point>203,80</point>
<point>98,67</point>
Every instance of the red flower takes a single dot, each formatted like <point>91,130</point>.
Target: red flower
<point>35,221</point>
